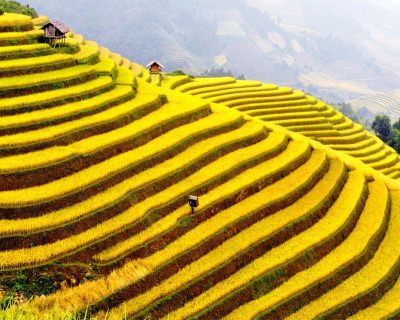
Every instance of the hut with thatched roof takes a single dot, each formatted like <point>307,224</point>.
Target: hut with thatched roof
<point>55,33</point>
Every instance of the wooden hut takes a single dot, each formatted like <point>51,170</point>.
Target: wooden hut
<point>154,66</point>
<point>54,33</point>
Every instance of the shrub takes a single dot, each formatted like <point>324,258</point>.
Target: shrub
<point>178,72</point>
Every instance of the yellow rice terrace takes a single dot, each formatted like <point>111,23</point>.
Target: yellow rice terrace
<point>294,209</point>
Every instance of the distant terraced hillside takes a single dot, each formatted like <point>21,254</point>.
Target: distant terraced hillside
<point>388,104</point>
<point>297,112</point>
<point>97,165</point>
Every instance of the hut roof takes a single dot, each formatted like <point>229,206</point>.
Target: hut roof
<point>57,24</point>
<point>154,62</point>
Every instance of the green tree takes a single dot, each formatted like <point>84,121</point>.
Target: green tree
<point>395,140</point>
<point>16,7</point>
<point>382,128</point>
<point>396,125</point>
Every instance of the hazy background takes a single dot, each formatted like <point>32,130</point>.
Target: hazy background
<point>335,49</point>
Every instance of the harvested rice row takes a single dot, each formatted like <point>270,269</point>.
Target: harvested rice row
<point>146,177</point>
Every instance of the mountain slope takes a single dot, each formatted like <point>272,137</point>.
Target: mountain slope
<point>97,166</point>
<point>297,112</point>
<point>336,50</point>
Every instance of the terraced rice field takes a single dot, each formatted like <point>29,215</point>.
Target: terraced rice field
<point>297,112</point>
<point>97,165</point>
<point>379,103</point>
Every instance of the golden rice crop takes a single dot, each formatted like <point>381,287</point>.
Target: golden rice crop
<point>238,84</point>
<point>67,110</point>
<point>118,192</point>
<point>105,52</point>
<point>271,194</point>
<point>34,62</point>
<point>252,105</point>
<point>37,99</point>
<point>23,48</point>
<point>335,219</point>
<point>242,101</point>
<point>100,141</point>
<point>125,76</point>
<point>251,176</point>
<point>65,129</point>
<point>36,79</point>
<point>45,253</point>
<point>40,21</point>
<point>202,83</point>
<point>117,58</point>
<point>245,90</point>
<point>216,257</point>
<point>388,305</point>
<point>106,67</point>
<point>137,69</point>
<point>77,298</point>
<point>13,19</point>
<point>207,200</point>
<point>272,224</point>
<point>33,34</point>
<point>389,161</point>
<point>377,269</point>
<point>169,82</point>
<point>268,94</point>
<point>86,54</point>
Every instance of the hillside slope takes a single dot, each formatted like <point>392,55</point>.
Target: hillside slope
<point>334,49</point>
<point>97,167</point>
<point>297,112</point>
